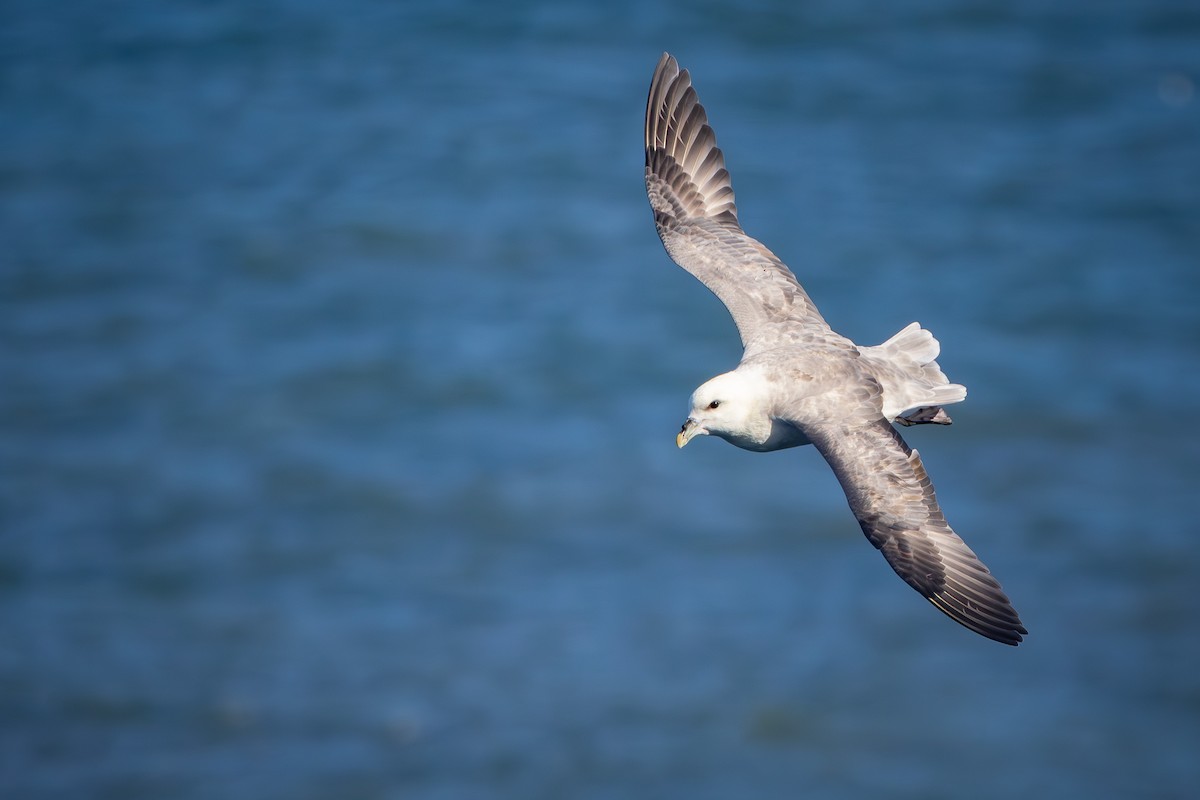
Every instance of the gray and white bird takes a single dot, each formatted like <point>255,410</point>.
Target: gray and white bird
<point>801,383</point>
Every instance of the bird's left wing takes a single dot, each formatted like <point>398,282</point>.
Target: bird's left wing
<point>894,502</point>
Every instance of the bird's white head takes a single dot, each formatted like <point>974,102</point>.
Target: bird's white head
<point>732,406</point>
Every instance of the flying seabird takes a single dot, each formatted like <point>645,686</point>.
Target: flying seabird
<point>799,382</point>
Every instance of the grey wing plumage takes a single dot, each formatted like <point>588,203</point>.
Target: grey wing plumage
<point>894,501</point>
<point>696,217</point>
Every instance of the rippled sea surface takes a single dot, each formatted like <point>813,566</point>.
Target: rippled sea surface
<point>340,368</point>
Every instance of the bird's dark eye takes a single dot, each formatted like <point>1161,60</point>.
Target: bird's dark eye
<point>714,404</point>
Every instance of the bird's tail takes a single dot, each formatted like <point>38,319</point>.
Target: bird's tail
<point>918,387</point>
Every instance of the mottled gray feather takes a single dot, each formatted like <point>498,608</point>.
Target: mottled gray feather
<point>696,217</point>
<point>895,504</point>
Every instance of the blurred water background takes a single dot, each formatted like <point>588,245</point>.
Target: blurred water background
<point>341,366</point>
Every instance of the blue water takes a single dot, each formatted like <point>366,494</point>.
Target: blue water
<point>340,368</point>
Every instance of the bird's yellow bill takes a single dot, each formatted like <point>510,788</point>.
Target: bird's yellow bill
<point>689,430</point>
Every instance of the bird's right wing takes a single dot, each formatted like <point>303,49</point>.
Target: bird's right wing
<point>694,212</point>
<point>893,500</point>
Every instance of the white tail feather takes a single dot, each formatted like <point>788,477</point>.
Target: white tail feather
<point>912,379</point>
<point>915,342</point>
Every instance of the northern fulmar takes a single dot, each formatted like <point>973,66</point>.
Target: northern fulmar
<point>799,382</point>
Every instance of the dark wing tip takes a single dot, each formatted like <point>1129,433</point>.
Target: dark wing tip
<point>683,161</point>
<point>944,570</point>
<point>997,621</point>
<point>949,574</point>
